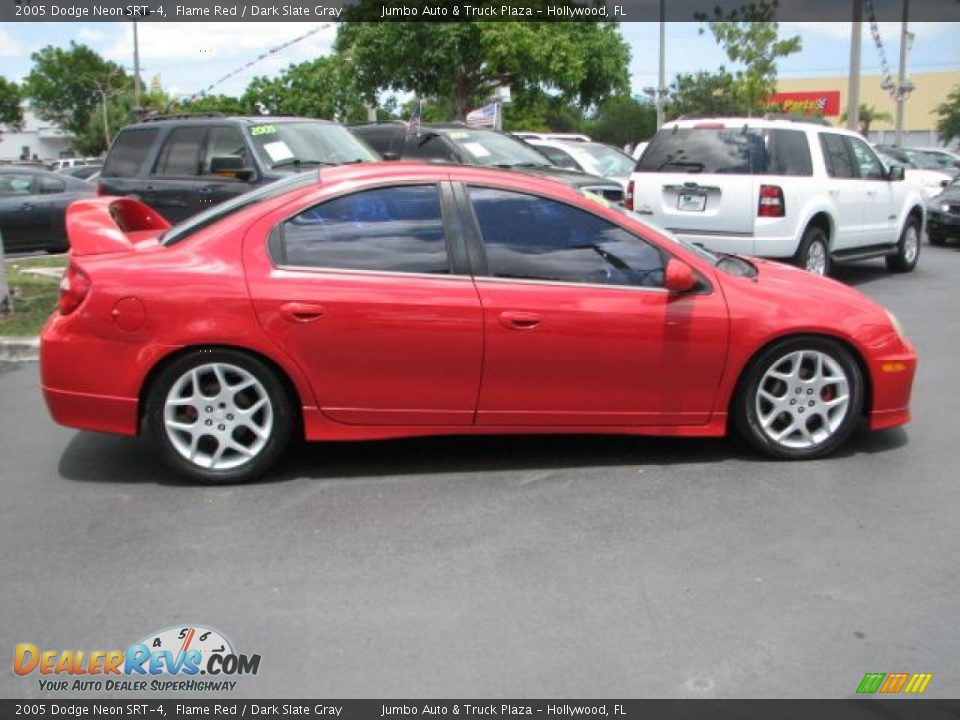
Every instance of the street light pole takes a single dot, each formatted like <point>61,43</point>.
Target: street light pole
<point>662,72</point>
<point>853,82</point>
<point>902,75</point>
<point>136,72</point>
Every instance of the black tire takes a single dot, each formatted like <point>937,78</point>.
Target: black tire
<point>936,238</point>
<point>908,248</point>
<point>277,438</point>
<point>745,403</point>
<point>813,237</point>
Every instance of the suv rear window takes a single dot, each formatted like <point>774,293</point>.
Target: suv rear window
<point>128,152</point>
<point>728,151</point>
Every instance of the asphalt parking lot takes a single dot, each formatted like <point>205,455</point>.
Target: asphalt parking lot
<point>513,567</point>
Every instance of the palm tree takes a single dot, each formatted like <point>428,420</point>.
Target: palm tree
<point>868,116</point>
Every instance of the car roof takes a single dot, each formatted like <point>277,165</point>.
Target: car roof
<point>238,119</point>
<point>796,123</point>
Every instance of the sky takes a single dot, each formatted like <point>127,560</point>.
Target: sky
<point>190,57</point>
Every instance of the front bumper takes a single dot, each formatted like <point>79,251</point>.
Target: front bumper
<point>891,379</point>
<point>941,223</point>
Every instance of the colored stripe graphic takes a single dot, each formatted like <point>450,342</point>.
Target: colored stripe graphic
<point>894,683</point>
<point>871,683</point>
<point>918,683</point>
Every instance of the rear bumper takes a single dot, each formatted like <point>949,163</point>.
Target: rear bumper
<point>769,246</point>
<point>87,411</point>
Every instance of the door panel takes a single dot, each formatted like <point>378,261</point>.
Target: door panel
<point>846,189</point>
<point>879,218</point>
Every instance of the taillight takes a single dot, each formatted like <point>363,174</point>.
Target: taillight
<point>771,202</point>
<point>628,198</point>
<point>100,190</point>
<point>74,286</point>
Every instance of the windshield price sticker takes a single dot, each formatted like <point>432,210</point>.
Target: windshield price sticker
<point>262,130</point>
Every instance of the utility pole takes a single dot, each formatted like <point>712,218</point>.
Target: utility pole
<point>853,82</point>
<point>902,90</point>
<point>661,82</point>
<point>136,73</point>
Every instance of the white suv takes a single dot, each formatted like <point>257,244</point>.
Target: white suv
<point>778,188</point>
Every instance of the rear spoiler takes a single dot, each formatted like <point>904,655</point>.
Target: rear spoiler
<point>107,224</point>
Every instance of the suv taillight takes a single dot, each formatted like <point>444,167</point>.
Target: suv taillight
<point>100,190</point>
<point>771,202</point>
<point>628,197</point>
<point>74,286</point>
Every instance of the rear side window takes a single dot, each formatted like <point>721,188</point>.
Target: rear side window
<point>430,148</point>
<point>728,151</point>
<point>396,229</point>
<point>836,157</point>
<point>383,140</point>
<point>129,151</point>
<point>181,153</point>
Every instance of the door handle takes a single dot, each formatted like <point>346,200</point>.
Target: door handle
<point>871,193</point>
<point>205,190</point>
<point>520,320</point>
<point>302,312</point>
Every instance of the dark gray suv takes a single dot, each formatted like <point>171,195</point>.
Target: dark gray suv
<point>184,164</point>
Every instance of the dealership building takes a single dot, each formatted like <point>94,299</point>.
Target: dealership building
<point>829,96</point>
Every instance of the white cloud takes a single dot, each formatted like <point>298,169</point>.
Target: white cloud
<point>10,46</point>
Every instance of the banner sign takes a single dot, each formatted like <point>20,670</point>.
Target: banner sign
<point>822,102</point>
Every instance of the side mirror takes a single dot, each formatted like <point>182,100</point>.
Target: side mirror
<point>944,183</point>
<point>230,166</point>
<point>679,277</point>
<point>895,173</point>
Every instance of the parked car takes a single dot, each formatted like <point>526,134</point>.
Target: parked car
<point>930,182</point>
<point>84,172</point>
<point>407,299</point>
<point>567,137</point>
<point>943,215</point>
<point>780,188</point>
<point>589,157</point>
<point>32,207</point>
<point>64,163</point>
<point>457,143</point>
<point>918,159</point>
<point>946,159</point>
<point>183,164</point>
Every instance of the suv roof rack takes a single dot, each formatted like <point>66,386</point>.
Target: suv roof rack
<point>798,118</point>
<point>183,116</point>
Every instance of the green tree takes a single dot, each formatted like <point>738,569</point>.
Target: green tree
<point>948,124</point>
<point>750,36</point>
<point>465,61</point>
<point>868,115</point>
<point>10,112</point>
<point>226,104</point>
<point>622,120</point>
<point>321,88</point>
<point>704,93</point>
<point>68,86</point>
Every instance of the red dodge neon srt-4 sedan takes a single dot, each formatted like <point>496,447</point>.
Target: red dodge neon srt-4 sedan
<point>394,299</point>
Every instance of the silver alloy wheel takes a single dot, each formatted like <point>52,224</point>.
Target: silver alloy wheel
<point>816,258</point>
<point>802,399</point>
<point>218,416</point>
<point>911,244</point>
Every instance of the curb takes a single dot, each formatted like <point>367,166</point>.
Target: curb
<point>19,349</point>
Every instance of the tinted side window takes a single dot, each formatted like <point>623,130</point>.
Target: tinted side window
<point>788,153</point>
<point>181,153</point>
<point>129,151</point>
<point>535,238</point>
<point>398,229</point>
<point>383,140</point>
<point>867,164</point>
<point>835,156</point>
<point>224,142</point>
<point>16,184</point>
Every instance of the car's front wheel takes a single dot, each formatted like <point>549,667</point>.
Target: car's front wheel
<point>800,399</point>
<point>908,248</point>
<point>219,416</point>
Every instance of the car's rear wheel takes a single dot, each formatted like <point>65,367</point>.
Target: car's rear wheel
<point>219,416</point>
<point>813,255</point>
<point>908,248</point>
<point>800,399</point>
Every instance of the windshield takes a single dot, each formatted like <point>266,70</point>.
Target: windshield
<point>491,149</point>
<point>198,222</point>
<point>291,143</point>
<point>603,160</point>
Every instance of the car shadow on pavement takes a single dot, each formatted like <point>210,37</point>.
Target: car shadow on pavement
<point>860,273</point>
<point>91,457</point>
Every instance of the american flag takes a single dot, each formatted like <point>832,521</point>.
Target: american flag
<point>483,117</point>
<point>413,124</point>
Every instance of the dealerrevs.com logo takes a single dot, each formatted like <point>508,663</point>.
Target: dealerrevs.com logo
<point>180,659</point>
